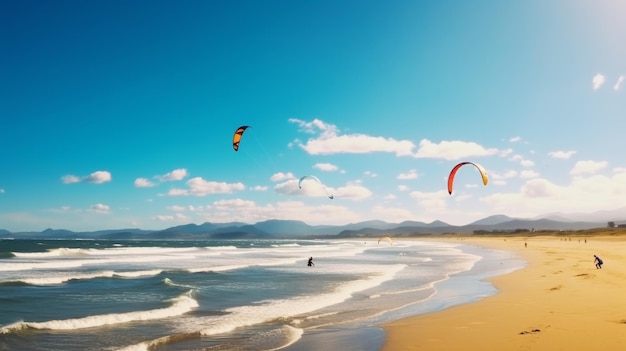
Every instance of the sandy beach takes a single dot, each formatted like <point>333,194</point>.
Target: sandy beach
<point>560,301</point>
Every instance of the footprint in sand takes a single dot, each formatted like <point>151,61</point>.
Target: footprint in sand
<point>585,275</point>
<point>558,287</point>
<point>530,332</point>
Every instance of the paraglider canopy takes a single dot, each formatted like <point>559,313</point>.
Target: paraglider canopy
<point>308,177</point>
<point>237,136</point>
<point>482,171</point>
<point>314,178</point>
<point>385,238</point>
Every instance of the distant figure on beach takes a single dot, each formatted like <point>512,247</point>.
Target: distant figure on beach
<point>310,262</point>
<point>525,244</point>
<point>598,262</point>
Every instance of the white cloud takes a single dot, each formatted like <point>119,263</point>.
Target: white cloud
<point>2,191</point>
<point>509,174</point>
<point>370,174</point>
<point>515,139</point>
<point>177,208</point>
<point>97,177</point>
<point>565,155</point>
<point>143,183</point>
<point>528,173</point>
<point>178,217</point>
<point>259,188</point>
<point>330,142</point>
<point>597,81</point>
<point>522,161</point>
<point>411,174</point>
<point>233,204</point>
<point>326,167</point>
<point>389,197</point>
<point>70,179</point>
<point>353,192</point>
<point>432,201</point>
<point>177,174</point>
<point>315,126</point>
<point>100,208</point>
<point>538,188</point>
<point>619,82</point>
<point>176,192</point>
<point>290,187</point>
<point>200,187</point>
<point>588,167</point>
<point>402,188</point>
<point>249,212</point>
<point>280,176</point>
<point>585,193</point>
<point>452,150</point>
<point>505,152</point>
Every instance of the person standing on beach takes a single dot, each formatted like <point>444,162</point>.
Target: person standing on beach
<point>598,262</point>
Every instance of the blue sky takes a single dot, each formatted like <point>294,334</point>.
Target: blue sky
<point>119,114</point>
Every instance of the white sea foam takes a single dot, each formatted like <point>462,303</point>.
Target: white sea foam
<point>60,279</point>
<point>218,268</point>
<point>264,311</point>
<point>388,278</point>
<point>23,266</point>
<point>287,333</point>
<point>168,281</point>
<point>54,280</point>
<point>136,274</point>
<point>269,310</point>
<point>53,253</point>
<point>131,251</point>
<point>287,245</point>
<point>180,305</point>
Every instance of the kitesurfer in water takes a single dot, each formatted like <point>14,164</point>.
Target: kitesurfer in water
<point>310,262</point>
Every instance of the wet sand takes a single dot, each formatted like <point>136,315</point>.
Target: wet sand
<point>560,301</point>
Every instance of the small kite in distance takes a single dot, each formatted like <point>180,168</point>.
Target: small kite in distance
<point>385,238</point>
<point>237,136</point>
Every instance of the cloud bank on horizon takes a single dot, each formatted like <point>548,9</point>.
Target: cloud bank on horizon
<point>133,128</point>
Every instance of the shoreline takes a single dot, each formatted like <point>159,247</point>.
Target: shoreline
<point>559,301</point>
<point>459,288</point>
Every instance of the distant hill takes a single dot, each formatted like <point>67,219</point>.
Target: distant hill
<point>298,229</point>
<point>615,215</point>
<point>493,220</point>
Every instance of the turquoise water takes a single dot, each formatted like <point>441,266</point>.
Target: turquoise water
<point>224,295</point>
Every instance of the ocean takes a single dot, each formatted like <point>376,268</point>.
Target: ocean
<point>163,295</point>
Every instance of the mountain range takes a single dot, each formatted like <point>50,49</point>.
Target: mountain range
<point>375,228</point>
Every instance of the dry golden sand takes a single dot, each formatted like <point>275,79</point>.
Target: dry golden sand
<point>560,301</point>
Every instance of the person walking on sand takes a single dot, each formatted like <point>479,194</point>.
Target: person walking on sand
<point>310,262</point>
<point>598,262</point>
